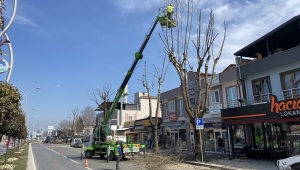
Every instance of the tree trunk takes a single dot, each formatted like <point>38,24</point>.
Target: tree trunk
<point>198,154</point>
<point>8,141</point>
<point>197,145</point>
<point>154,132</point>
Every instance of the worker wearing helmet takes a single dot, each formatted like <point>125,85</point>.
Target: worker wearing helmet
<point>170,11</point>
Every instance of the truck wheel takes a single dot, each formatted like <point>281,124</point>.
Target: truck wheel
<point>88,154</point>
<point>111,156</point>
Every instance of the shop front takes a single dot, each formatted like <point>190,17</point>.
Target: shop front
<point>262,126</point>
<point>175,132</point>
<point>213,127</point>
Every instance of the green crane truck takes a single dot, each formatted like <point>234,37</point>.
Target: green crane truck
<point>96,143</point>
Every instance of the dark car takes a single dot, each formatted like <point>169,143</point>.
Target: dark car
<point>77,144</point>
<point>48,140</point>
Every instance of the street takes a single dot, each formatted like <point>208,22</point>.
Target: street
<point>46,158</point>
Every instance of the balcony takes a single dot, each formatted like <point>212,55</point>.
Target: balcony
<point>262,98</point>
<point>291,94</point>
<point>277,60</point>
<point>232,103</point>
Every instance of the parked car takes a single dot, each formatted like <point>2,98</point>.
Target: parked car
<point>77,144</point>
<point>74,141</point>
<point>49,140</point>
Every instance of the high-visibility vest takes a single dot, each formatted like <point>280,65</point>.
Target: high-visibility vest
<point>117,150</point>
<point>170,8</point>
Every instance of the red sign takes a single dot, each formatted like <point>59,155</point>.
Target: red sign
<point>290,107</point>
<point>172,116</point>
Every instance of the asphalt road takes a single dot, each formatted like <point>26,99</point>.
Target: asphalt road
<point>49,157</point>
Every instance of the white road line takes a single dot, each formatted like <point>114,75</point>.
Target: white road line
<point>56,152</point>
<point>64,156</point>
<point>74,161</point>
<point>88,168</point>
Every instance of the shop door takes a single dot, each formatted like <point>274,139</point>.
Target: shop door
<point>174,138</point>
<point>223,134</point>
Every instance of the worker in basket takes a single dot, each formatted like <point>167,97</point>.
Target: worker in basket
<point>170,12</point>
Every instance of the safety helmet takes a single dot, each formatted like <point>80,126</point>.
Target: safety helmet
<point>171,4</point>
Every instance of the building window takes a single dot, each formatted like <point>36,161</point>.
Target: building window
<point>291,84</point>
<point>165,110</point>
<point>180,107</point>
<point>261,90</point>
<point>191,83</point>
<point>232,97</point>
<point>214,96</point>
<point>129,118</point>
<point>172,106</point>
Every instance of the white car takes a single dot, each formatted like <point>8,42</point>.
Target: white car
<point>74,141</point>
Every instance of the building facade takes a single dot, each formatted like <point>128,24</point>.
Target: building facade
<point>126,114</point>
<point>269,70</point>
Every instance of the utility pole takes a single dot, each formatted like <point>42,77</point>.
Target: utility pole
<point>33,129</point>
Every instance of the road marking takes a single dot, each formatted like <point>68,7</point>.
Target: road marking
<point>64,156</point>
<point>88,168</point>
<point>74,161</point>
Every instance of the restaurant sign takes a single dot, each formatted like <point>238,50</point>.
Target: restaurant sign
<point>286,108</point>
<point>172,116</point>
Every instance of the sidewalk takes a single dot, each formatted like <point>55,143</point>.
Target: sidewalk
<point>245,164</point>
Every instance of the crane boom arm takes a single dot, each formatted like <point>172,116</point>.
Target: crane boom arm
<point>138,56</point>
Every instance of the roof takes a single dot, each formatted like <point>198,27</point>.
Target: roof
<point>231,66</point>
<point>284,36</point>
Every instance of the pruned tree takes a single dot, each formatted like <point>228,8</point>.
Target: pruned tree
<point>88,115</point>
<point>177,46</point>
<point>159,75</point>
<point>104,96</point>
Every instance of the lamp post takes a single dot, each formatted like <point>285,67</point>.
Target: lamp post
<point>25,95</point>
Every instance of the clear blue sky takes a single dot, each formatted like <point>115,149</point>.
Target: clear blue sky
<point>70,48</point>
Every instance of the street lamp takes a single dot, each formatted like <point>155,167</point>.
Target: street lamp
<point>25,95</point>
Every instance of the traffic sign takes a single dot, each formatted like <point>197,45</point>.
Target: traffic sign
<point>199,123</point>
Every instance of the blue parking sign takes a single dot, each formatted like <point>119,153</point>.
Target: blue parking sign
<point>199,123</point>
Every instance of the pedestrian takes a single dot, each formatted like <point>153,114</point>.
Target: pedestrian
<point>118,154</point>
<point>221,144</point>
<point>170,11</point>
<point>66,140</point>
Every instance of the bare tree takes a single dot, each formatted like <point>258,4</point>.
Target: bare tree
<point>104,95</point>
<point>160,76</point>
<point>177,45</point>
<point>73,117</point>
<point>88,115</point>
<point>64,125</point>
<point>79,124</point>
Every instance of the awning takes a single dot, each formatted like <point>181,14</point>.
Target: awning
<point>123,128</point>
<point>177,123</point>
<point>211,118</point>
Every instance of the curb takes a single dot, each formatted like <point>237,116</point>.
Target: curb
<point>209,165</point>
<point>30,161</point>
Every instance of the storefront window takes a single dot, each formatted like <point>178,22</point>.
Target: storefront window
<point>209,140</point>
<point>239,135</point>
<point>258,133</point>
